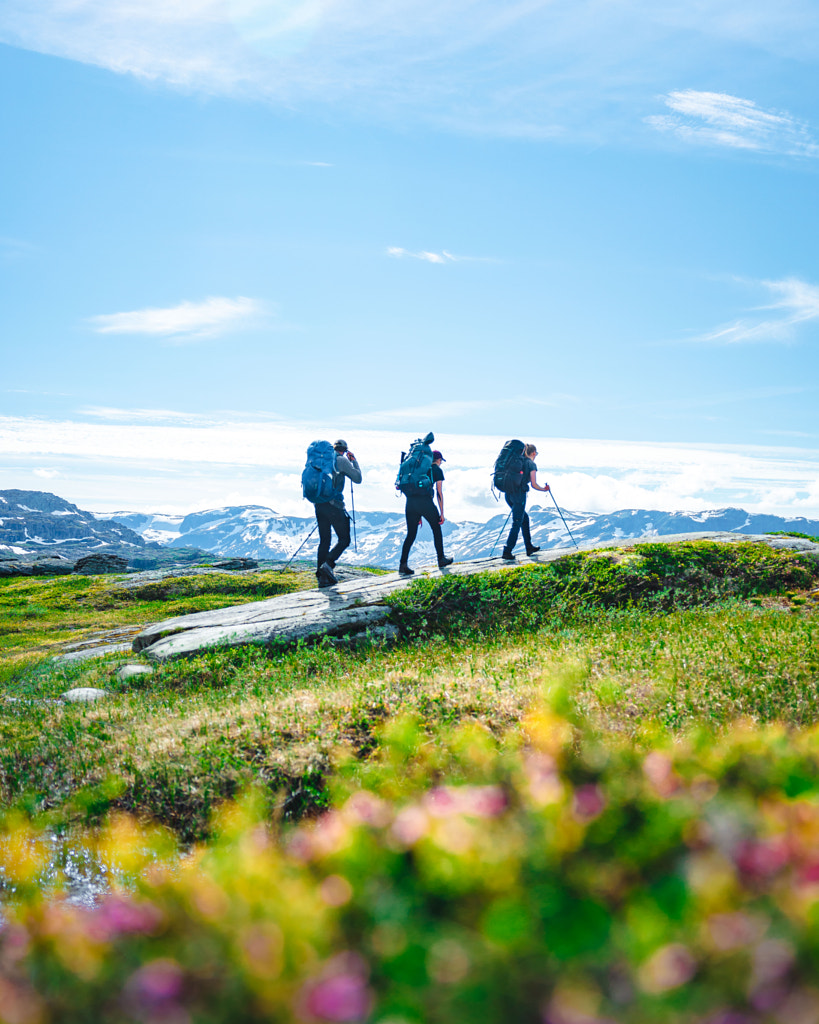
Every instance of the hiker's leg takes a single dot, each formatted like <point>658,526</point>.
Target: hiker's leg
<point>323,520</point>
<point>433,517</point>
<point>524,527</point>
<point>413,514</point>
<point>518,505</point>
<point>341,524</point>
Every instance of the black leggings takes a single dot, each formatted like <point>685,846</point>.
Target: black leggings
<point>331,516</point>
<point>422,508</point>
<point>520,521</point>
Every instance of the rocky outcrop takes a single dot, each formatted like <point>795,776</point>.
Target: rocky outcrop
<point>97,565</point>
<point>51,565</point>
<point>346,609</point>
<point>237,563</point>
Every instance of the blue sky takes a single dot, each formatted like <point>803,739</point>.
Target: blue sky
<point>229,226</point>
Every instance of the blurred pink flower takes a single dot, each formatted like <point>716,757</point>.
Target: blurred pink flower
<point>341,992</point>
<point>118,915</point>
<point>411,824</point>
<point>762,858</point>
<point>476,801</point>
<point>589,801</point>
<point>368,809</point>
<point>155,985</point>
<point>659,770</point>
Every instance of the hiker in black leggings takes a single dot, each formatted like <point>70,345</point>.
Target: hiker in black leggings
<point>517,503</point>
<point>421,506</point>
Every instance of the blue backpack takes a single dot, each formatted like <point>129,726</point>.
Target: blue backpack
<point>317,475</point>
<point>415,472</point>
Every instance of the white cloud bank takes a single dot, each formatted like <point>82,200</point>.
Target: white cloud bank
<point>184,467</point>
<point>189,321</point>
<point>797,303</point>
<point>719,119</point>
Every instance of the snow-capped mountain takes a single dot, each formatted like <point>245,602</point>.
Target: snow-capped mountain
<point>35,521</point>
<point>252,531</point>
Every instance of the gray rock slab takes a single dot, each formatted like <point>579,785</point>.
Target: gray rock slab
<point>93,652</point>
<point>357,604</point>
<point>84,695</point>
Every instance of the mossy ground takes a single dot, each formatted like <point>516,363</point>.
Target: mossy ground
<point>40,614</point>
<point>633,642</point>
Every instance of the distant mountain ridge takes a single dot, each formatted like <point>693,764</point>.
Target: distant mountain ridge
<point>33,521</point>
<point>253,531</point>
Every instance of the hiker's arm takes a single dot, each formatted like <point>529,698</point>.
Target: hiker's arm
<point>439,487</point>
<point>348,465</point>
<point>535,484</point>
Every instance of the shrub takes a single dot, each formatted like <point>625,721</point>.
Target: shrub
<point>558,882</point>
<point>661,577</point>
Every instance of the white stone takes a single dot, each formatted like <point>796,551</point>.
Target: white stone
<point>84,695</point>
<point>129,671</point>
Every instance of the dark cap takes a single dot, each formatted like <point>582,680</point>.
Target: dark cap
<point>340,444</point>
<point>437,455</point>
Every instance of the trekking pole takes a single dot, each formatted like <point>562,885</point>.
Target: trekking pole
<point>564,521</point>
<point>352,506</point>
<point>492,552</point>
<point>298,549</point>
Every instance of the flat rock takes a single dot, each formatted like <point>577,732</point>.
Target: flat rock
<point>355,605</point>
<point>83,695</point>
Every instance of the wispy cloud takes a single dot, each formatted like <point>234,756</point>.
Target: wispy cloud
<point>719,119</point>
<point>189,321</point>
<point>524,68</point>
<point>797,304</point>
<point>435,257</point>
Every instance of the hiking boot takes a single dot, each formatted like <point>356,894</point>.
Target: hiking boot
<point>405,570</point>
<point>326,576</point>
<point>507,555</point>
<point>444,562</point>
<point>532,549</point>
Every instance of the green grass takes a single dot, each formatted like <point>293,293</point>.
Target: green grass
<point>39,614</point>
<point>662,638</point>
<point>563,786</point>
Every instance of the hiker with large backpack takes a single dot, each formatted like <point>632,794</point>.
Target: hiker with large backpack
<point>322,482</point>
<point>419,477</point>
<point>515,471</point>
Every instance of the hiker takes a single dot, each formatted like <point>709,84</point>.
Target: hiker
<point>420,477</point>
<point>516,500</point>
<point>323,484</point>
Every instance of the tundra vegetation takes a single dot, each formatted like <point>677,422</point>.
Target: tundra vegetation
<point>584,791</point>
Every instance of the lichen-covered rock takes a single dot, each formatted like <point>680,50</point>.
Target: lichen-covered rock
<point>237,563</point>
<point>51,565</point>
<point>93,565</point>
<point>15,569</point>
